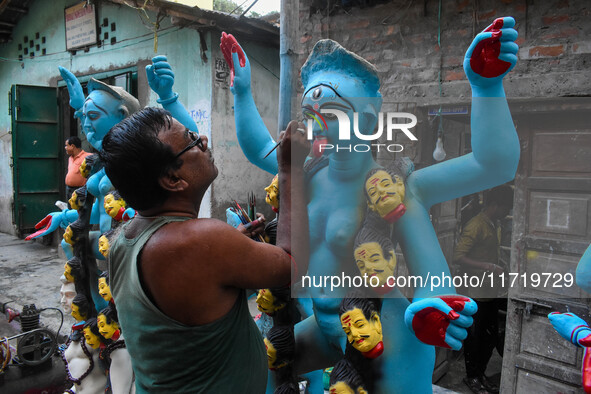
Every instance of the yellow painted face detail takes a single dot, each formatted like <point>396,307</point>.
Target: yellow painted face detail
<point>112,205</point>
<point>107,330</point>
<point>272,355</point>
<point>340,388</point>
<point>76,313</point>
<point>103,245</point>
<point>68,236</point>
<point>272,190</point>
<point>92,340</point>
<point>385,194</point>
<point>370,260</point>
<point>68,273</point>
<point>84,169</point>
<point>266,302</point>
<point>74,201</point>
<point>104,289</point>
<point>363,335</point>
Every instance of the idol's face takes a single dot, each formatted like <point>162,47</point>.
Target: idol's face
<point>68,234</point>
<point>68,272</point>
<point>91,339</point>
<point>104,289</point>
<point>112,205</point>
<point>272,355</point>
<point>344,388</point>
<point>272,190</point>
<point>103,245</point>
<point>67,294</point>
<point>106,329</point>
<point>363,335</point>
<point>101,111</point>
<point>76,312</point>
<point>74,201</point>
<point>371,261</point>
<point>84,169</point>
<point>325,108</point>
<point>266,302</point>
<point>384,193</point>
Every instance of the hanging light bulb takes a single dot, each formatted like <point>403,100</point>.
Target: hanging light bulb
<point>439,152</point>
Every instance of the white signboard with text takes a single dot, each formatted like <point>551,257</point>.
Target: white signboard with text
<point>80,26</point>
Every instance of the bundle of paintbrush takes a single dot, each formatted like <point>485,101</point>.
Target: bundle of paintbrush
<point>245,217</point>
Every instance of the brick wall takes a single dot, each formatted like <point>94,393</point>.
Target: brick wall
<point>401,39</point>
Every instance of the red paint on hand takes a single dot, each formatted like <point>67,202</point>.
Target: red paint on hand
<point>430,325</point>
<point>45,223</point>
<point>485,57</point>
<point>587,371</point>
<point>586,341</point>
<point>229,45</point>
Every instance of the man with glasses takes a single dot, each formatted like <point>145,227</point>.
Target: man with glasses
<point>178,281</point>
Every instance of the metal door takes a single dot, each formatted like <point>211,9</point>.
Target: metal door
<point>551,230</point>
<point>36,154</point>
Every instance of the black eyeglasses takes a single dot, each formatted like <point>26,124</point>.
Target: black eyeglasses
<point>196,141</point>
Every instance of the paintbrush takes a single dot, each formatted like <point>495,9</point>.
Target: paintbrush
<point>279,143</point>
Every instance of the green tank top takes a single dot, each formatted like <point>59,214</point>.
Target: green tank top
<point>225,356</point>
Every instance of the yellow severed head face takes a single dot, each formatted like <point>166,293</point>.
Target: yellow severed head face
<point>104,245</point>
<point>363,334</point>
<point>370,260</point>
<point>384,194</point>
<point>68,234</point>
<point>266,302</point>
<point>344,388</point>
<point>272,355</point>
<point>84,169</point>
<point>104,289</point>
<point>106,329</point>
<point>91,339</point>
<point>272,190</point>
<point>113,205</point>
<point>68,272</point>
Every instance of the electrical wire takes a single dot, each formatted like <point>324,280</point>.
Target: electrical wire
<point>96,52</point>
<point>57,335</point>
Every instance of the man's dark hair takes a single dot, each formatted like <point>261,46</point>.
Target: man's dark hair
<point>74,140</point>
<point>500,195</point>
<point>135,158</point>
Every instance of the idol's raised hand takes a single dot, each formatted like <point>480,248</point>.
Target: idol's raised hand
<point>74,88</point>
<point>160,77</point>
<point>238,63</point>
<point>492,54</point>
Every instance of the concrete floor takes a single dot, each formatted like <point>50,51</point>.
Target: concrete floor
<point>30,272</point>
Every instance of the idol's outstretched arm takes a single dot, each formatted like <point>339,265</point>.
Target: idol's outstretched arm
<point>495,145</point>
<point>253,136</point>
